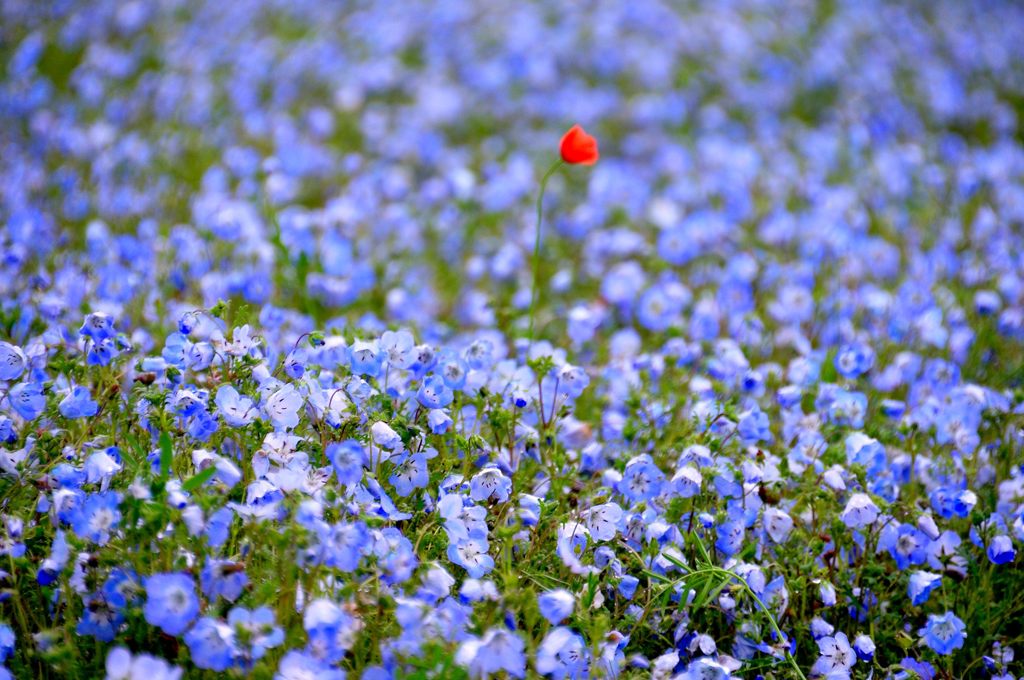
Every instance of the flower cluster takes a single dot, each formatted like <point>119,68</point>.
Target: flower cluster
<point>292,385</point>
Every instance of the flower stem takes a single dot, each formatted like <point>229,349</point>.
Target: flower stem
<point>536,246</point>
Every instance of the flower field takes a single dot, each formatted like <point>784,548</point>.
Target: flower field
<point>511,339</point>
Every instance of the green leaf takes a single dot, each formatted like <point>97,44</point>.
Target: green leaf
<point>702,596</point>
<point>198,479</point>
<point>703,551</point>
<point>711,591</point>
<point>166,455</point>
<point>829,374</point>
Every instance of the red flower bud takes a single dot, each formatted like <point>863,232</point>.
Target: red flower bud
<point>578,147</point>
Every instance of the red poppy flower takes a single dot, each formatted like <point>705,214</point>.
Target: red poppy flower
<point>578,147</point>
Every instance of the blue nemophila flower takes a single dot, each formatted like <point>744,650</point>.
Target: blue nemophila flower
<point>218,527</point>
<point>101,466</point>
<point>394,554</point>
<point>101,353</point>
<point>854,360</point>
<point>453,369</point>
<point>68,477</point>
<point>921,585</point>
<point>827,593</point>
<point>256,631</point>
<point>12,361</point>
<point>211,644</point>
<point>476,590</point>
<point>950,502</point>
<point>499,650</point>
<point>223,578</point>
<point>66,502</point>
<point>78,404</point>
<point>480,354</point>
<point>572,380</point>
<point>837,656</point>
<point>187,322</point>
<point>295,362</point>
<point>847,408</point>
<point>344,545</point>
<point>860,511</point>
<point>283,406</point>
<point>627,586</point>
<point>439,421</point>
<point>331,630</point>
<point>236,409</point>
<point>358,389</point>
<point>10,539</point>
<point>98,326</point>
<point>907,544</point>
<point>687,481</point>
<point>730,537</point>
<point>582,323</point>
<point>556,605</point>
<point>410,474</point>
<point>1000,550</point>
<point>470,553</point>
<point>659,306</point>
<point>866,451</point>
<point>573,539</point>
<point>865,648</point>
<point>385,436</point>
<point>171,602</point>
<point>641,480</point>
<point>8,435</point>
<point>987,302</point>
<point>121,665</point>
<point>562,654</point>
<point>426,360</point>
<point>99,618</point>
<point>327,405</point>
<point>366,358</point>
<point>96,516</point>
<point>665,665</point>
<point>242,343</point>
<point>529,510</point>
<point>777,524</point>
<point>436,584</point>
<point>603,521</point>
<point>297,665</point>
<point>434,393</point>
<point>943,553</point>
<point>7,640</point>
<point>919,669</point>
<point>348,458</point>
<point>189,401</point>
<point>399,348</point>
<point>490,484</point>
<point>54,564</point>
<point>122,587</point>
<point>706,668</point>
<point>176,350</point>
<point>754,427</point>
<point>944,633</point>
<point>202,426</point>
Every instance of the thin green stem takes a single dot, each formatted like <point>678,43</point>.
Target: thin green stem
<point>536,246</point>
